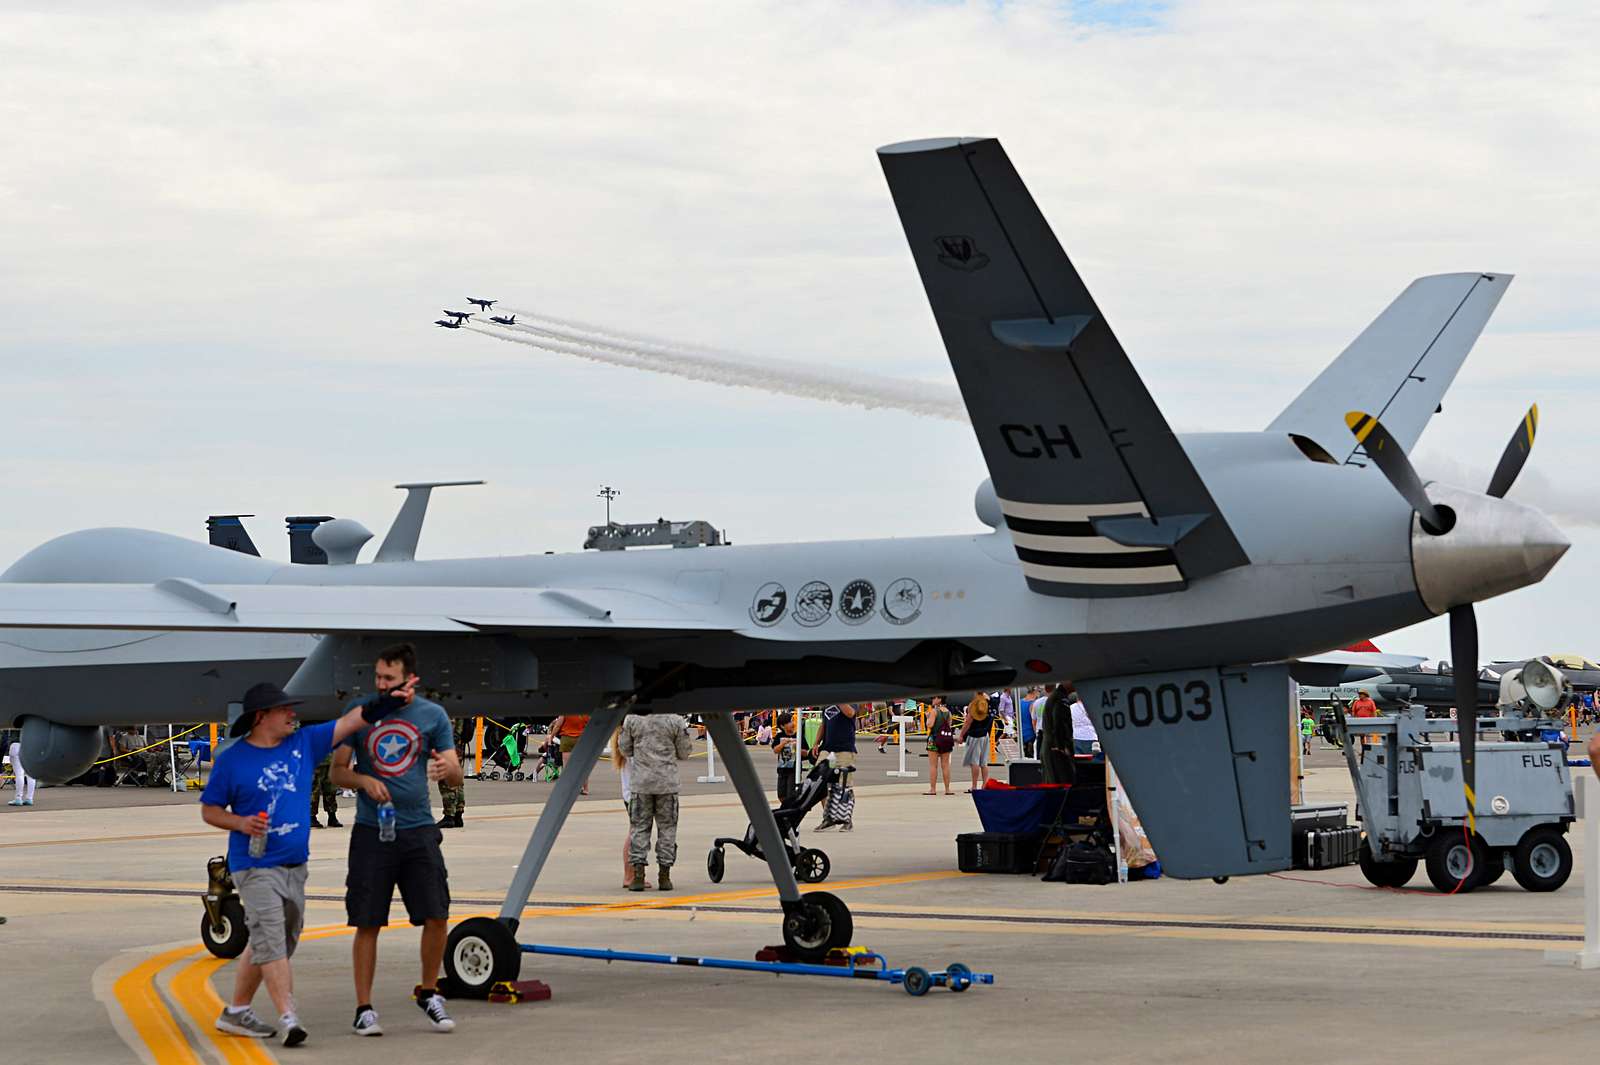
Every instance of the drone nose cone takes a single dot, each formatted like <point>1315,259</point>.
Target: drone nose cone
<point>1493,546</point>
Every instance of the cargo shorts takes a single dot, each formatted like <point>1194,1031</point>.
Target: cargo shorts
<point>274,900</point>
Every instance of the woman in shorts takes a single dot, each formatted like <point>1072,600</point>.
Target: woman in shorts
<point>941,741</point>
<point>975,729</point>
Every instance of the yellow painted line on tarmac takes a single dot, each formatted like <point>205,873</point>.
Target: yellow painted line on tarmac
<point>191,986</point>
<point>136,993</point>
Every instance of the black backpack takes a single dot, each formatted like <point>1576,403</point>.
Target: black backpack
<point>1088,861</point>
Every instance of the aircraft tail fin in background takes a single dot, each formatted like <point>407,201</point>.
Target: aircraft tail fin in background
<point>1401,365</point>
<point>1097,492</point>
<point>226,530</point>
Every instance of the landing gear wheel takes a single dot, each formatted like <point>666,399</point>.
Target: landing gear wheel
<point>1543,861</point>
<point>1493,869</point>
<point>715,860</point>
<point>480,953</point>
<point>1395,873</point>
<point>816,924</point>
<point>811,866</point>
<point>917,981</point>
<point>1451,862</point>
<point>227,941</point>
<point>958,976</point>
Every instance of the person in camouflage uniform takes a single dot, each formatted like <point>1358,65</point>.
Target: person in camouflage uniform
<point>454,798</point>
<point>654,744</point>
<point>322,790</point>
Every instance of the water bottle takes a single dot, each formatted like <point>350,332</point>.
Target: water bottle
<point>386,822</point>
<point>258,844</point>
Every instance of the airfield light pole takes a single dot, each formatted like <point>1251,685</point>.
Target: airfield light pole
<point>608,494</point>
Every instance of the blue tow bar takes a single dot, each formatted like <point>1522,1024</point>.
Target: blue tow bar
<point>863,965</point>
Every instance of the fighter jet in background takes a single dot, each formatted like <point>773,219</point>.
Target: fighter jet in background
<point>448,324</point>
<point>497,320</point>
<point>485,304</point>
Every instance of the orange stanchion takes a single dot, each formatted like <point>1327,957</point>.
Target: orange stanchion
<point>477,748</point>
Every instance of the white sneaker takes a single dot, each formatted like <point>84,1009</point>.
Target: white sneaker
<point>367,1022</point>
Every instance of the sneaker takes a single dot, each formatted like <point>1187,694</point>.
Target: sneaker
<point>433,1006</point>
<point>367,1022</point>
<point>826,825</point>
<point>848,826</point>
<point>17,802</point>
<point>244,1022</point>
<point>293,1034</point>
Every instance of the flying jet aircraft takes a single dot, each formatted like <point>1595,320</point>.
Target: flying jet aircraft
<point>443,323</point>
<point>495,318</point>
<point>1167,576</point>
<point>485,304</point>
<point>459,316</point>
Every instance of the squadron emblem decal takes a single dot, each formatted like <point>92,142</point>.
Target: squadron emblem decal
<point>960,253</point>
<point>902,601</point>
<point>857,602</point>
<point>770,602</point>
<point>814,603</point>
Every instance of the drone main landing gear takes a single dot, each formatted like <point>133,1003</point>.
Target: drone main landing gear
<point>483,952</point>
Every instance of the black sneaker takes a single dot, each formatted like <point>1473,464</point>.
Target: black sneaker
<point>367,1022</point>
<point>433,1006</point>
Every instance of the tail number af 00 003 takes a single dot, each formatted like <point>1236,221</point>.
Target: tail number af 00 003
<point>1164,704</point>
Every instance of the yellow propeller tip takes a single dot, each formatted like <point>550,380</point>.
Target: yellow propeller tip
<point>1355,418</point>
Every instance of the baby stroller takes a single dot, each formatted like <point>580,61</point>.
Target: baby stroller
<point>809,864</point>
<point>505,758</point>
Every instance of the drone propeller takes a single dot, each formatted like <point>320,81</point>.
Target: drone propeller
<point>1515,454</point>
<point>1391,458</point>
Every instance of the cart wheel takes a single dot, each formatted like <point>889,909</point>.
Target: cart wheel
<point>1543,861</point>
<point>811,866</point>
<point>959,976</point>
<point>917,981</point>
<point>518,776</point>
<point>1219,880</point>
<point>480,953</point>
<point>816,924</point>
<point>1494,867</point>
<point>715,861</point>
<point>1396,872</point>
<point>229,938</point>
<point>1450,862</point>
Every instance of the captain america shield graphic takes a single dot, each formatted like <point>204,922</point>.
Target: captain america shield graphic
<point>393,747</point>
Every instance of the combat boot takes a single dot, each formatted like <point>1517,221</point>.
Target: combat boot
<point>638,879</point>
<point>333,821</point>
<point>664,883</point>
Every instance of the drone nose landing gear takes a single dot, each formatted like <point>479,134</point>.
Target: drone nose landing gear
<point>484,952</point>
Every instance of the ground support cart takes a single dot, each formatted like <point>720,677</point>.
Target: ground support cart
<point>1407,777</point>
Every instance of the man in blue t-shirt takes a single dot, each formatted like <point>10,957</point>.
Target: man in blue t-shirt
<point>260,787</point>
<point>410,746</point>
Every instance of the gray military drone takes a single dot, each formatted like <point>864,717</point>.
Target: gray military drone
<point>1173,578</point>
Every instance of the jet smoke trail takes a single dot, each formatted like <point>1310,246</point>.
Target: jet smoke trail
<point>829,384</point>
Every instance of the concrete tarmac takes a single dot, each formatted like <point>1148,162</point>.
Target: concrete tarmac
<point>104,961</point>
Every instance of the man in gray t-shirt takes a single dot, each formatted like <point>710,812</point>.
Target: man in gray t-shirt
<point>408,747</point>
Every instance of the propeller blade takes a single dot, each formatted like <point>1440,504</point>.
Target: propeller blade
<point>1464,655</point>
<point>1515,454</point>
<point>1391,458</point>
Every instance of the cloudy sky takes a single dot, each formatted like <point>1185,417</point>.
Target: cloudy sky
<point>225,229</point>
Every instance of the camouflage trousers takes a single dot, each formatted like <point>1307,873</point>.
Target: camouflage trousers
<point>662,811</point>
<point>454,799</point>
<point>322,788</point>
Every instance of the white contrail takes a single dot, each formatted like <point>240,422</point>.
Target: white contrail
<point>829,384</point>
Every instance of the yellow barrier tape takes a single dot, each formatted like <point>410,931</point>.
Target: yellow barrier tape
<point>153,746</point>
